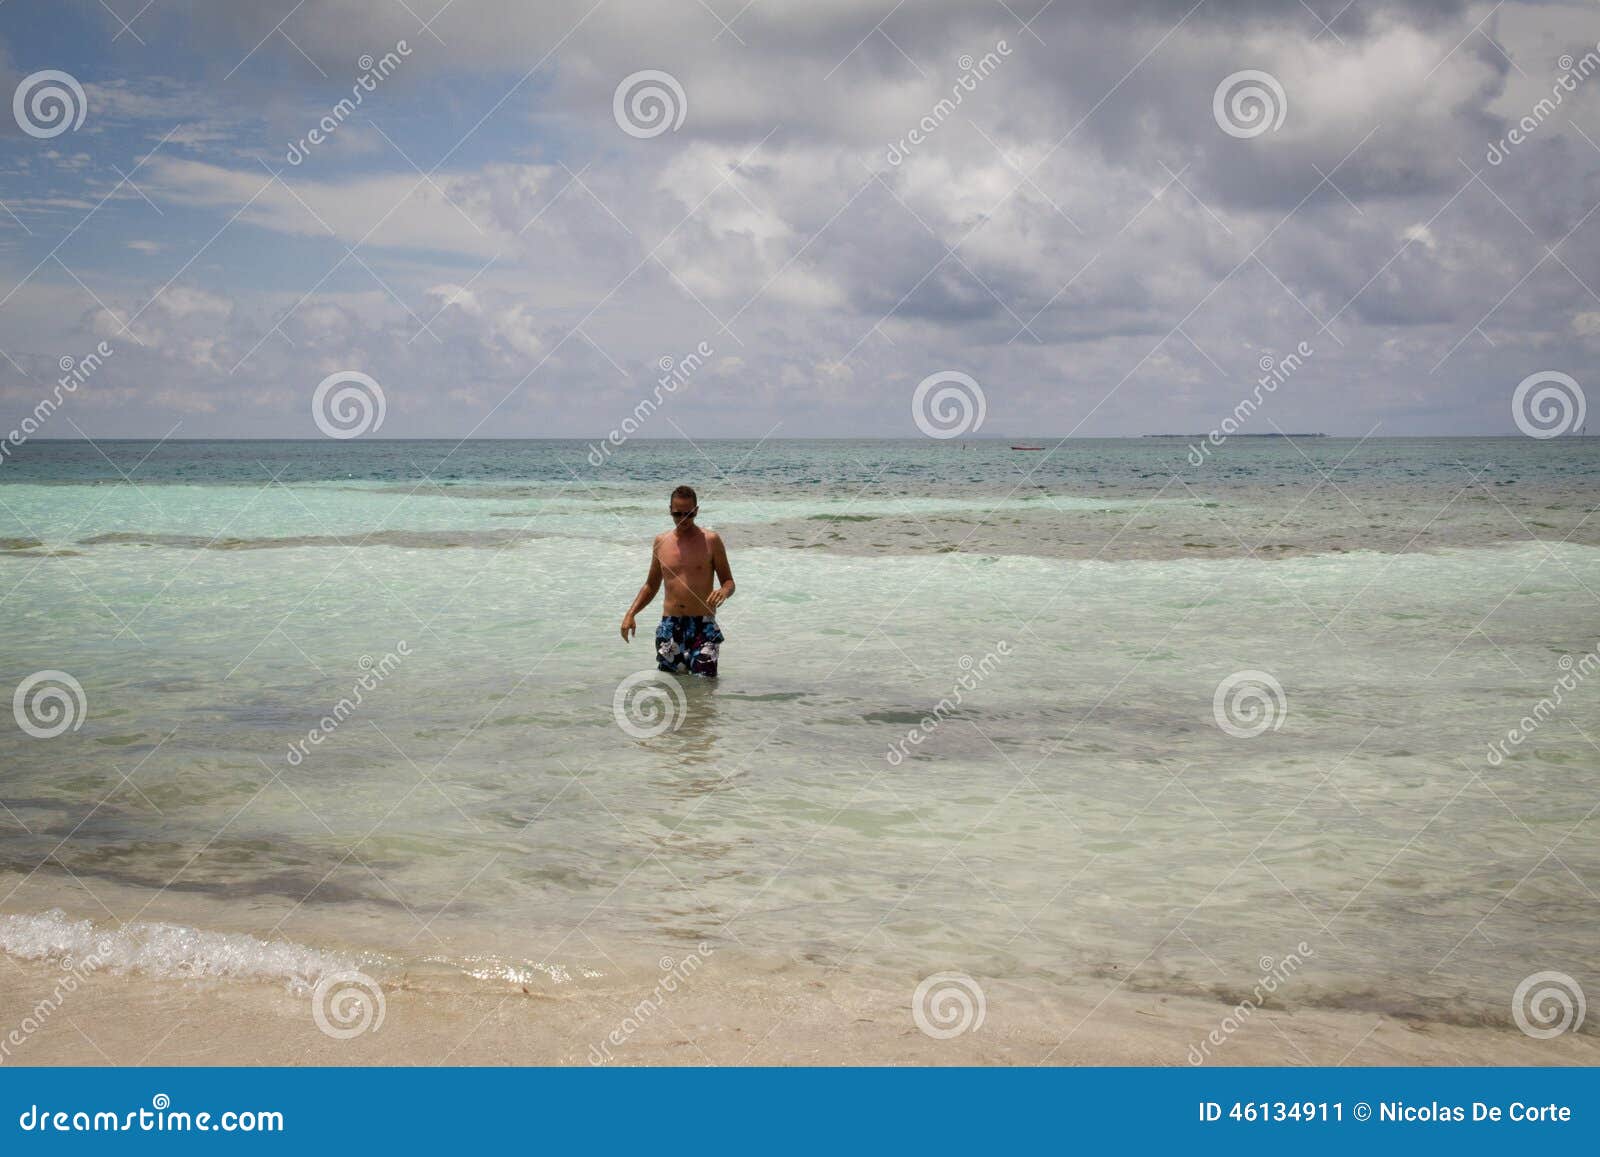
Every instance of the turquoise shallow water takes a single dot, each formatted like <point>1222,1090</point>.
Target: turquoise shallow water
<point>1080,817</point>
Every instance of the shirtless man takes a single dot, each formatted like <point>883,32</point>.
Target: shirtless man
<point>688,638</point>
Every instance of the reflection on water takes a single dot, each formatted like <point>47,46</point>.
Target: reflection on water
<point>695,745</point>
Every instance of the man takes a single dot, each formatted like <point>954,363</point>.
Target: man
<point>687,557</point>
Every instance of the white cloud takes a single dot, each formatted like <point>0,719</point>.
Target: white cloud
<point>466,214</point>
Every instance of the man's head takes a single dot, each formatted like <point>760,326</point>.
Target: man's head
<point>684,506</point>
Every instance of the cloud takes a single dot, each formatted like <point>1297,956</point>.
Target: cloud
<point>458,213</point>
<point>1078,231</point>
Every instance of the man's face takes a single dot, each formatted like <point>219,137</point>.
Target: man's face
<point>683,512</point>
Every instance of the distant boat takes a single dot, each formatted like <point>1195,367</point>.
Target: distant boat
<point>1027,447</point>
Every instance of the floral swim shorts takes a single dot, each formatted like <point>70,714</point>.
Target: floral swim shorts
<point>688,643</point>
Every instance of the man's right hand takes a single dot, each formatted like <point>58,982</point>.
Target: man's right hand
<point>628,628</point>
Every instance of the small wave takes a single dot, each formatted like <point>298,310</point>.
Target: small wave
<point>416,539</point>
<point>166,950</point>
<point>492,968</point>
<point>464,489</point>
<point>894,716</point>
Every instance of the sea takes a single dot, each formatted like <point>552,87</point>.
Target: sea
<point>1115,714</point>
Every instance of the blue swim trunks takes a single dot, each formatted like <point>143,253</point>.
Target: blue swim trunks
<point>688,643</point>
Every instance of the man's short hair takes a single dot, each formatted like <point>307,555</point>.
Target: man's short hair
<point>685,492</point>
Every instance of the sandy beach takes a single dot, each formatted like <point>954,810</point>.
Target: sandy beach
<point>170,994</point>
<point>787,1016</point>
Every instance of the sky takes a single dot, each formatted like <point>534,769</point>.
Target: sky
<point>792,218</point>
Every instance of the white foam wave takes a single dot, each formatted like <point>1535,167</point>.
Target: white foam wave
<point>166,950</point>
<point>494,968</point>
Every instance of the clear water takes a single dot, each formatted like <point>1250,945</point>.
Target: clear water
<point>1081,818</point>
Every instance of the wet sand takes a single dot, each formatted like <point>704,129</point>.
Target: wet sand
<point>729,1014</point>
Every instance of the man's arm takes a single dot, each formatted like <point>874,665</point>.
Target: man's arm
<point>652,583</point>
<point>724,573</point>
